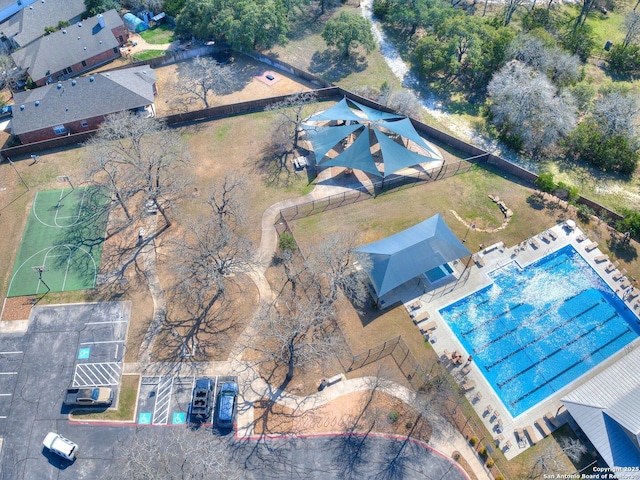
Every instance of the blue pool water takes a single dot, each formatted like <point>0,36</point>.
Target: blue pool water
<point>534,330</point>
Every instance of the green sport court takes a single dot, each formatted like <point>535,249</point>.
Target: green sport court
<point>62,242</point>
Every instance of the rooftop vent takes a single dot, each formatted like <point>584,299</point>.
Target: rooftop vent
<point>91,79</point>
<point>37,104</point>
<point>59,85</point>
<point>85,48</point>
<point>108,74</point>
<point>73,83</point>
<point>30,7</point>
<point>79,24</point>
<point>41,1</point>
<point>78,37</point>
<point>101,21</point>
<point>21,107</point>
<point>64,31</point>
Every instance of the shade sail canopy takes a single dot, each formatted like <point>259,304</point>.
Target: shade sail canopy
<point>393,132</point>
<point>397,259</point>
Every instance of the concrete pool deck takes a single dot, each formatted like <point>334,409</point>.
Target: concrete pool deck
<point>423,302</point>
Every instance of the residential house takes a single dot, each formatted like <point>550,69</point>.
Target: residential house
<point>29,23</point>
<point>81,104</point>
<point>73,50</point>
<point>11,7</point>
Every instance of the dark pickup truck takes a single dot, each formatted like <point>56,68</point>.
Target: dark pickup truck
<point>201,398</point>
<point>96,396</point>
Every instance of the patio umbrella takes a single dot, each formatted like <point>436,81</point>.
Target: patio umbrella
<point>367,134</point>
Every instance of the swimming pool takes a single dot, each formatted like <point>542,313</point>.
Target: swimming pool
<point>536,329</point>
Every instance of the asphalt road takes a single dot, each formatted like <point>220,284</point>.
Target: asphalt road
<point>83,344</point>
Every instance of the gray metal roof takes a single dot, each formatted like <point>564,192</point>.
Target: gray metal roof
<point>608,405</point>
<point>29,23</point>
<point>399,258</point>
<point>82,98</point>
<point>69,46</point>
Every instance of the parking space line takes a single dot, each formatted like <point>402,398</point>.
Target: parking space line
<point>101,323</point>
<point>105,341</point>
<point>11,353</point>
<point>97,374</point>
<point>8,373</point>
<point>163,401</point>
<point>6,394</point>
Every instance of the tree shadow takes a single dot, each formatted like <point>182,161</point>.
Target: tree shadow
<point>333,66</point>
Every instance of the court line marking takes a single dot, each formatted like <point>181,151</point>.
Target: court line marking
<point>11,353</point>
<point>6,394</point>
<point>55,218</point>
<point>83,250</point>
<point>35,214</point>
<point>8,373</point>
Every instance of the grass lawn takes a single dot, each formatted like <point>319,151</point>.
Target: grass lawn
<point>158,35</point>
<point>127,400</point>
<point>148,55</point>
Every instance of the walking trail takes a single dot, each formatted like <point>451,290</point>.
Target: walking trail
<point>445,438</point>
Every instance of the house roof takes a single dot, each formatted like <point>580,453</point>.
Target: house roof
<point>83,97</point>
<point>606,408</point>
<point>69,46</point>
<point>29,23</point>
<point>399,258</point>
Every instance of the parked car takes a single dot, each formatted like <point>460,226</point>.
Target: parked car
<point>97,396</point>
<point>61,446</point>
<point>227,404</point>
<point>201,398</point>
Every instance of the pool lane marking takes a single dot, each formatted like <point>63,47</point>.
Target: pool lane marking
<point>533,365</point>
<point>535,340</point>
<point>627,330</point>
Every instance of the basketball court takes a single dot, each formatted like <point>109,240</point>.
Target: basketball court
<point>62,242</point>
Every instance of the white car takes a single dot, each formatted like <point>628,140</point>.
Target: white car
<point>59,445</point>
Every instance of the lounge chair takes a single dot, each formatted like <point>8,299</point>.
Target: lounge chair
<point>610,267</point>
<point>581,238</point>
<point>522,443</point>
<point>632,294</point>
<point>507,445</point>
<point>552,420</point>
<point>625,284</point>
<point>542,426</point>
<point>427,327</point>
<point>601,258</point>
<point>552,234</point>
<point>466,370</point>
<point>529,433</point>
<point>468,385</point>
<point>618,275</point>
<point>545,237</point>
<point>591,246</point>
<point>479,261</point>
<point>534,243</point>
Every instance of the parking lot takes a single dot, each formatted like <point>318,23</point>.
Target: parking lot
<point>64,346</point>
<point>165,400</point>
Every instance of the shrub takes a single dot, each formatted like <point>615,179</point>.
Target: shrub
<point>455,455</point>
<point>474,440</point>
<point>630,223</point>
<point>408,425</point>
<point>482,451</point>
<point>393,416</point>
<point>584,212</point>
<point>498,477</point>
<point>287,241</point>
<point>545,182</point>
<point>490,462</point>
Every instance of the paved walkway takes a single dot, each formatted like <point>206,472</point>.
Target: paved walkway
<point>445,438</point>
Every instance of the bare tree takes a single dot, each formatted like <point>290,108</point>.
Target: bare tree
<point>332,261</point>
<point>292,111</point>
<point>617,114</point>
<point>296,334</point>
<point>151,453</point>
<point>550,459</point>
<point>202,78</point>
<point>227,199</point>
<point>510,8</point>
<point>527,106</point>
<point>631,27</point>
<point>139,157</point>
<point>406,103</point>
<point>9,73</point>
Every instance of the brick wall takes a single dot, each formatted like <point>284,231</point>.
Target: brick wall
<point>72,127</point>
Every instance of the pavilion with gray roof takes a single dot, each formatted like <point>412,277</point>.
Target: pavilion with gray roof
<point>395,260</point>
<point>607,409</point>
